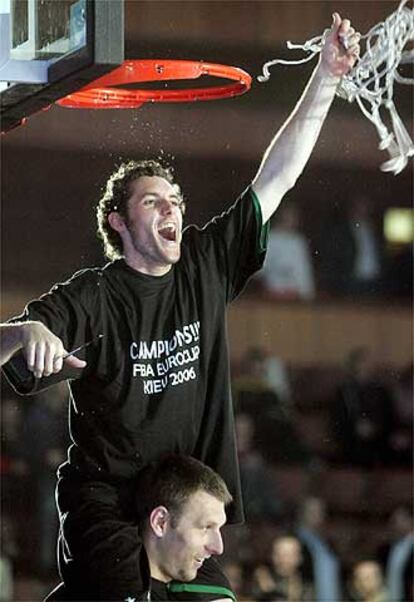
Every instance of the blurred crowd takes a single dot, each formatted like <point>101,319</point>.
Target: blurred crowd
<point>325,456</point>
<point>302,566</point>
<point>328,501</point>
<point>34,440</point>
<point>346,256</point>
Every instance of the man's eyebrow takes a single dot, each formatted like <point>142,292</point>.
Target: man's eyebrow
<point>213,523</point>
<point>175,195</point>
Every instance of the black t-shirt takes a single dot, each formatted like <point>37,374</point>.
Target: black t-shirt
<point>158,380</point>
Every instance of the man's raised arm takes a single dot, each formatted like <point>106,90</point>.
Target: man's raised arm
<point>291,148</point>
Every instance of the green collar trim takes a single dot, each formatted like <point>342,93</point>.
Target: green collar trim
<point>199,588</point>
<point>263,229</point>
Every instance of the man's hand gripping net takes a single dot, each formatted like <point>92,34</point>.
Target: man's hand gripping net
<point>371,81</point>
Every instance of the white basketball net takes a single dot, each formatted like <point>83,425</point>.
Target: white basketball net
<point>371,81</point>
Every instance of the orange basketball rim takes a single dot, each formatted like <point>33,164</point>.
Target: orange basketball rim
<point>106,93</point>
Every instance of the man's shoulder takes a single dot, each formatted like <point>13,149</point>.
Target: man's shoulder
<point>84,282</point>
<point>194,238</point>
<point>246,200</point>
<point>90,273</point>
<point>82,277</point>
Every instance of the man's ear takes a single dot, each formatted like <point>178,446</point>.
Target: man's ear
<point>116,221</point>
<point>159,520</point>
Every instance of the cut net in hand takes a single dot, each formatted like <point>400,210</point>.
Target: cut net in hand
<point>371,81</point>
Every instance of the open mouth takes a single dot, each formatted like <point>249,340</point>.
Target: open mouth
<point>168,232</point>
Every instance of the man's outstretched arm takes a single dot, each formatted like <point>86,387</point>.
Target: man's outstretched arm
<point>43,351</point>
<point>291,148</point>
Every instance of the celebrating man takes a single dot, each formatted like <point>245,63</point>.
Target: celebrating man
<point>150,328</point>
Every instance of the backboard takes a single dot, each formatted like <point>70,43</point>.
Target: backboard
<point>49,48</point>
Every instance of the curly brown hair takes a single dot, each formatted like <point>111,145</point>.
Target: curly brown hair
<point>116,195</point>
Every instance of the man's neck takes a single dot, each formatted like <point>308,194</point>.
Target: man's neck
<point>146,268</point>
<point>155,570</point>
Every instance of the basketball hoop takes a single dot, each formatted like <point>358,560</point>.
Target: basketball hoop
<point>104,93</point>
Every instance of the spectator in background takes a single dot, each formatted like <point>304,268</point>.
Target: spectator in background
<point>400,556</point>
<point>283,579</point>
<point>401,439</point>
<point>16,529</point>
<point>8,553</point>
<point>45,435</point>
<point>362,413</point>
<point>263,371</point>
<point>260,496</point>
<point>352,252</point>
<point>400,270</point>
<point>310,526</point>
<point>288,270</point>
<point>254,394</point>
<point>367,583</point>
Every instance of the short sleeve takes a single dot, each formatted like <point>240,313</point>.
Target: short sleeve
<point>236,241</point>
<point>66,311</point>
